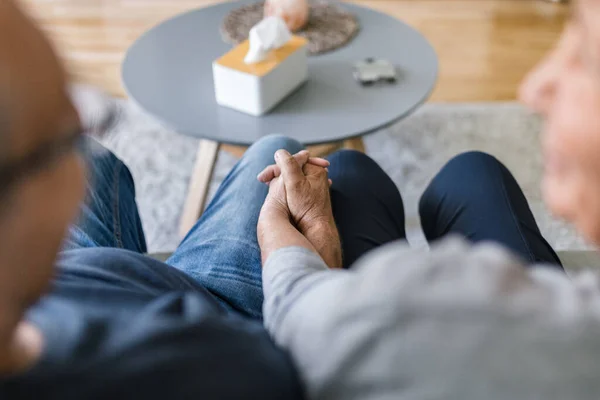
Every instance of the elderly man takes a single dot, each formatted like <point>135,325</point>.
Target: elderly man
<point>105,321</point>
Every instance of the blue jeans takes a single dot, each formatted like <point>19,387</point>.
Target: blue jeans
<point>474,195</point>
<point>220,252</point>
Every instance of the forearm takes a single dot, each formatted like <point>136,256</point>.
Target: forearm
<point>275,231</point>
<point>302,297</point>
<point>325,238</point>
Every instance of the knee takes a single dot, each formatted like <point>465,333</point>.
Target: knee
<point>474,168</point>
<point>472,162</point>
<point>354,162</point>
<point>358,172</point>
<point>271,143</point>
<point>463,177</point>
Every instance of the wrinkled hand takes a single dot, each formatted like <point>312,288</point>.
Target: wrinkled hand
<point>299,193</point>
<point>300,184</point>
<point>302,157</point>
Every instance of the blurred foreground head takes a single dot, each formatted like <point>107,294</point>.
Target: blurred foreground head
<point>565,90</point>
<point>39,194</point>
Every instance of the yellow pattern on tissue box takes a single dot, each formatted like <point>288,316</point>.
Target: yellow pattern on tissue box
<point>256,88</point>
<point>234,59</point>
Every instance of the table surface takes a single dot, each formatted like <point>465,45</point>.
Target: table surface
<point>168,72</point>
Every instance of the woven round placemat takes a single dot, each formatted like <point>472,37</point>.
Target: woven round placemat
<point>329,26</point>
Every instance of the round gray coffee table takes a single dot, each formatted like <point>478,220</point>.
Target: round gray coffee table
<point>168,73</point>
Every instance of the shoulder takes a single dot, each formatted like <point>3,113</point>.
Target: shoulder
<point>455,271</point>
<point>460,317</point>
<point>456,287</point>
<point>159,356</point>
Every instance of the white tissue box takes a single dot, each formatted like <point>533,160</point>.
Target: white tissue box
<point>257,88</point>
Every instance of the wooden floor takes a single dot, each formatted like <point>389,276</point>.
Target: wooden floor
<point>485,46</point>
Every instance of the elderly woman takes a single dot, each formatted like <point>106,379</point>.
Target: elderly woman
<point>489,312</point>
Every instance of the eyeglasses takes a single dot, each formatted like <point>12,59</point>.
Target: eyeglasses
<point>43,155</point>
<point>51,151</point>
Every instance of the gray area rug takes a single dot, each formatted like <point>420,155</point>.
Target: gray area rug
<point>411,151</point>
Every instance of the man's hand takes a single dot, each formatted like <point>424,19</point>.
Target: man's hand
<point>303,190</point>
<point>307,192</point>
<point>302,157</point>
<point>276,202</point>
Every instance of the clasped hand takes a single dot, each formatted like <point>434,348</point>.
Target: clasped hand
<point>299,193</point>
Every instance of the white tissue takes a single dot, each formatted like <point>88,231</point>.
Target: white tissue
<point>269,34</point>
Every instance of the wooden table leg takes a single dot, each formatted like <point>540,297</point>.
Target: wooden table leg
<point>355,144</point>
<point>199,185</point>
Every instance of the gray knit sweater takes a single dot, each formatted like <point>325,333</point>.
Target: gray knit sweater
<point>457,323</point>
